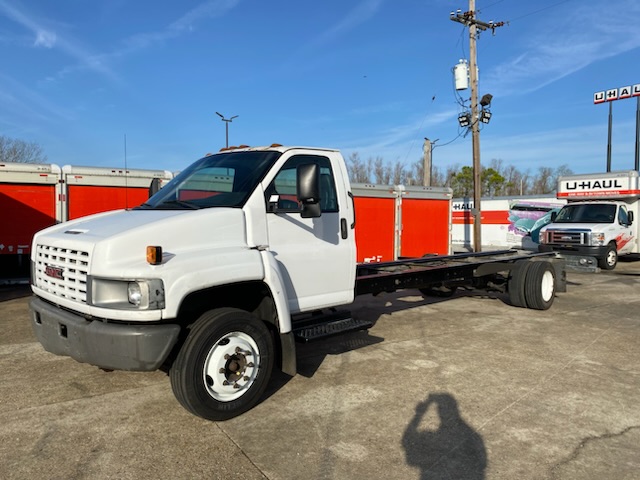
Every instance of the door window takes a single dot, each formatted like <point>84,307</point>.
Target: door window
<point>284,187</point>
<point>623,216</point>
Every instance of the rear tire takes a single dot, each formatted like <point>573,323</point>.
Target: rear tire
<point>224,365</point>
<point>540,285</point>
<point>610,260</point>
<point>516,284</point>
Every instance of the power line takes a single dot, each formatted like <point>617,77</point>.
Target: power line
<point>540,10</point>
<point>490,5</point>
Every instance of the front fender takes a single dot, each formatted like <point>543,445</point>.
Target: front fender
<point>185,274</point>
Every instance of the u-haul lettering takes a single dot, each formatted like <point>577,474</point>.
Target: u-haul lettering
<point>594,186</point>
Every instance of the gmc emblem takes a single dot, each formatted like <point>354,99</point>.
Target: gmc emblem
<point>54,272</point>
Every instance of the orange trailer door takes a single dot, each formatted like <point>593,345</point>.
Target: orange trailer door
<point>375,208</point>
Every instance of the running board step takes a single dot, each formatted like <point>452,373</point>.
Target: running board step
<point>322,327</point>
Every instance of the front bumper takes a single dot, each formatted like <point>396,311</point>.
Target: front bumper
<point>578,258</point>
<point>588,251</point>
<point>107,345</point>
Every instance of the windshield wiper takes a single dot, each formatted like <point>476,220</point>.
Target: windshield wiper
<point>181,203</point>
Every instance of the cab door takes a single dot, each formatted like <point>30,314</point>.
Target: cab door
<point>316,255</point>
<point>626,238</point>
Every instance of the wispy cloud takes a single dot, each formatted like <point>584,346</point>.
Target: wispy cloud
<point>21,102</point>
<point>567,43</point>
<point>401,142</point>
<point>306,57</point>
<point>46,37</point>
<point>362,12</point>
<point>186,23</point>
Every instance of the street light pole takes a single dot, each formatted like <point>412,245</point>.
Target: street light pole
<point>227,121</point>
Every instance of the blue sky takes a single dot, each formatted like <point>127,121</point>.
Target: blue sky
<point>367,76</point>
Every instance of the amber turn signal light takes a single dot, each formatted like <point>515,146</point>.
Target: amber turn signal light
<point>154,255</point>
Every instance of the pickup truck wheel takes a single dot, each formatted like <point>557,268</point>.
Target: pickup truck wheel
<point>610,260</point>
<point>540,285</point>
<point>224,364</point>
<point>516,284</point>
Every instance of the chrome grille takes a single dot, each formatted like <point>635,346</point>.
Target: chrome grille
<point>569,237</point>
<point>62,272</point>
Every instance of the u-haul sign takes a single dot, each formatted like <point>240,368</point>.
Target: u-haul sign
<point>617,94</point>
<point>608,185</point>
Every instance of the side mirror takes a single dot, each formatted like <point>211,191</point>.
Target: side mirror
<point>554,215</point>
<point>308,189</point>
<point>154,187</point>
<point>630,214</point>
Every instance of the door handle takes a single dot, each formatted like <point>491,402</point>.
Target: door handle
<point>344,232</point>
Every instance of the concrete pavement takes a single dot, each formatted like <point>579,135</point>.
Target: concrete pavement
<point>462,388</point>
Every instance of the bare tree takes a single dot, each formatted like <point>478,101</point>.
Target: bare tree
<point>359,171</point>
<point>398,174</point>
<point>381,171</point>
<point>497,179</point>
<point>559,172</point>
<point>543,182</point>
<point>14,150</point>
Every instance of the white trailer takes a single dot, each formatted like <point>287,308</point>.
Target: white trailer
<point>506,222</point>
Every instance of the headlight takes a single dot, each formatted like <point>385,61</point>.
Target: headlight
<point>543,237</point>
<point>126,294</point>
<point>135,293</point>
<point>597,238</point>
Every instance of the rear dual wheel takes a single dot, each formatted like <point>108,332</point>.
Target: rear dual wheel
<point>532,285</point>
<point>224,365</point>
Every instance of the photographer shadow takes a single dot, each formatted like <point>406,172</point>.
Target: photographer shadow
<point>452,450</point>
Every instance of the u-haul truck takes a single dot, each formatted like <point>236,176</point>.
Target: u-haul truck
<point>599,220</point>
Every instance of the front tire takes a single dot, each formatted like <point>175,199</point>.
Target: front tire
<point>610,260</point>
<point>224,365</point>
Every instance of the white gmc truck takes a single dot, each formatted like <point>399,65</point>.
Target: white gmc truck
<point>598,220</point>
<point>218,274</point>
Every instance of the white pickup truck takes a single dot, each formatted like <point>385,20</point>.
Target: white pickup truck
<point>598,220</point>
<point>217,275</point>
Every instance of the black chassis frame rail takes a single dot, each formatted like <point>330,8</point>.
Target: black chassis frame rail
<point>453,270</point>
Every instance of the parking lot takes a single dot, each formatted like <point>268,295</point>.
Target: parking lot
<point>460,388</point>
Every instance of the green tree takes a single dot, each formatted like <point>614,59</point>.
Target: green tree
<point>492,182</point>
<point>462,182</point>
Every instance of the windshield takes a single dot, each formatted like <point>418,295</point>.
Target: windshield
<point>222,180</point>
<point>587,213</point>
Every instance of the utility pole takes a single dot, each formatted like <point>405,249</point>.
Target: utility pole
<point>426,163</point>
<point>469,19</point>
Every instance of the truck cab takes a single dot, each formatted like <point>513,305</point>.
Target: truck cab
<point>598,220</point>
